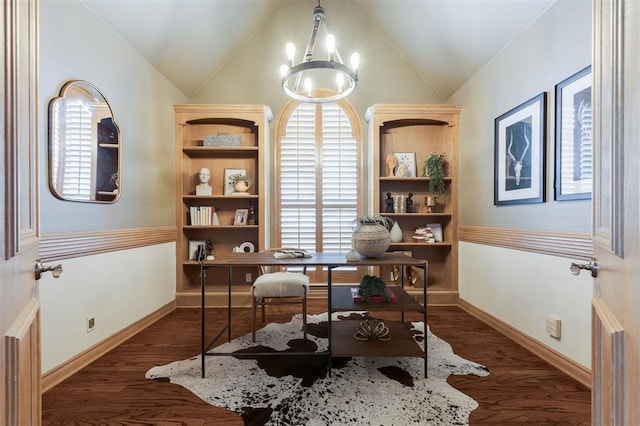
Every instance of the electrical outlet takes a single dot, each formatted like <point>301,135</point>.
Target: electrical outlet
<point>553,326</point>
<point>91,323</point>
<point>247,277</point>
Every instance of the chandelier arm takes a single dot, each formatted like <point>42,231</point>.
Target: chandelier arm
<point>318,18</point>
<point>308,56</point>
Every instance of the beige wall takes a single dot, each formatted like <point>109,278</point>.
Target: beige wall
<point>521,288</point>
<point>122,287</point>
<point>75,45</point>
<point>553,48</point>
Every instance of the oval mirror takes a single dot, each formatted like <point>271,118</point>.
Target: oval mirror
<point>84,145</point>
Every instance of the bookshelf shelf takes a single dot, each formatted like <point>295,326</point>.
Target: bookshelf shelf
<point>419,130</point>
<point>250,125</point>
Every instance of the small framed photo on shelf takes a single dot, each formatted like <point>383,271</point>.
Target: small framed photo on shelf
<point>230,178</point>
<point>406,164</point>
<point>241,217</point>
<point>194,249</point>
<point>436,229</point>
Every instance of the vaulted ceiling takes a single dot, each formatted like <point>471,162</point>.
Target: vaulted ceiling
<point>445,41</point>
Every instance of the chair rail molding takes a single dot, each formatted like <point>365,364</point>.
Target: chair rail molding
<point>78,244</point>
<point>564,244</point>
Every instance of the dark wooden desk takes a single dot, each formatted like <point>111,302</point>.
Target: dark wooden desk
<point>337,302</point>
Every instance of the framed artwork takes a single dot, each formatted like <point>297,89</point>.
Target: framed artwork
<point>574,143</point>
<point>436,228</point>
<point>406,164</point>
<point>241,217</point>
<point>230,176</point>
<point>519,164</point>
<point>193,248</point>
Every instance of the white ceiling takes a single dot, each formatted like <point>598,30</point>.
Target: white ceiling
<point>445,41</point>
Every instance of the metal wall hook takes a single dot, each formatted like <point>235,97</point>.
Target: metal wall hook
<point>591,266</point>
<point>56,270</point>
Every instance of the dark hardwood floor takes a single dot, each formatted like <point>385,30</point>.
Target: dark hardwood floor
<point>521,389</point>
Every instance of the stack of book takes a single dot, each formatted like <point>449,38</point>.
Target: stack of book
<point>432,233</point>
<point>203,216</point>
<point>423,235</point>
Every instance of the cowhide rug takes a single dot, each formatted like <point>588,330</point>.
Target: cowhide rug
<point>296,390</point>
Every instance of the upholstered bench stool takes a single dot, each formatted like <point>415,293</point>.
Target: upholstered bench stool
<point>280,288</point>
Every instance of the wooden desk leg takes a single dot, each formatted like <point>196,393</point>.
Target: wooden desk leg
<point>329,270</point>
<point>424,320</point>
<point>229,278</point>
<point>202,318</point>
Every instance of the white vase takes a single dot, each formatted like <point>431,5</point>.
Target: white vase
<point>396,233</point>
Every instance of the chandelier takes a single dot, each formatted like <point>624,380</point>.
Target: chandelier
<point>301,81</point>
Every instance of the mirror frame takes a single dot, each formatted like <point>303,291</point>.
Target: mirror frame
<point>105,185</point>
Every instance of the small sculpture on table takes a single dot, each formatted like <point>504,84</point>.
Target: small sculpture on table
<point>389,204</point>
<point>372,329</point>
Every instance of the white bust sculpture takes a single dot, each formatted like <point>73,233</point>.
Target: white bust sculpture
<point>204,188</point>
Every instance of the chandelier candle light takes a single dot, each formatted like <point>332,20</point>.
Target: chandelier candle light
<point>301,81</point>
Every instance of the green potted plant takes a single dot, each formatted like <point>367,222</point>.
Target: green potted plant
<point>434,169</point>
<point>373,219</point>
<point>373,286</point>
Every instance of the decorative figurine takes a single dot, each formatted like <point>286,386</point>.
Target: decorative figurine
<point>392,162</point>
<point>389,203</point>
<point>251,220</point>
<point>409,203</point>
<point>204,188</point>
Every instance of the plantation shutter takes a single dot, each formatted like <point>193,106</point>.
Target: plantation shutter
<point>339,180</point>
<point>76,176</point>
<point>318,179</point>
<point>298,180</point>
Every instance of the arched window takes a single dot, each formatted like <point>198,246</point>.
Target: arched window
<point>318,177</point>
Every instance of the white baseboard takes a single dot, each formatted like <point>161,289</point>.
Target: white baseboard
<point>556,359</point>
<point>77,363</point>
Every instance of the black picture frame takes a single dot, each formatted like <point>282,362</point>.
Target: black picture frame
<point>574,138</point>
<point>519,153</point>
